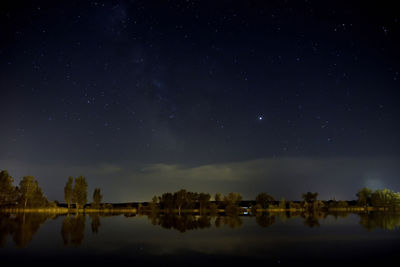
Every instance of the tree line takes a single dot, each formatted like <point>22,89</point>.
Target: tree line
<point>28,194</point>
<point>186,200</point>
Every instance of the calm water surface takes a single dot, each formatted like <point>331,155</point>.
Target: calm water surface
<point>194,240</point>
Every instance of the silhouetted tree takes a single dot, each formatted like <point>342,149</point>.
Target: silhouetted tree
<point>39,200</point>
<point>8,192</point>
<point>231,202</point>
<point>167,201</point>
<point>213,209</point>
<point>309,199</point>
<point>191,199</point>
<point>385,198</point>
<point>68,192</point>
<point>255,207</point>
<point>264,200</point>
<point>232,198</point>
<point>364,196</point>
<point>218,197</point>
<point>204,201</point>
<point>282,203</point>
<point>79,192</point>
<point>27,188</point>
<point>97,197</point>
<point>31,195</point>
<point>180,198</point>
<point>154,205</point>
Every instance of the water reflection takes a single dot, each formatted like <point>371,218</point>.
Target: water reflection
<point>182,223</point>
<point>265,219</point>
<point>230,221</point>
<point>382,220</point>
<point>22,227</point>
<point>73,229</point>
<point>311,219</point>
<point>95,225</point>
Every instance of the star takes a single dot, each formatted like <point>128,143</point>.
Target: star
<point>260,118</point>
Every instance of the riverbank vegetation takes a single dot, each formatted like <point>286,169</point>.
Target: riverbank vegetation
<point>29,197</point>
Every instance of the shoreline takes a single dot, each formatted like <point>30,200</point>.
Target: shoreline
<point>61,210</point>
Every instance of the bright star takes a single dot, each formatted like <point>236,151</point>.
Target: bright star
<point>260,118</point>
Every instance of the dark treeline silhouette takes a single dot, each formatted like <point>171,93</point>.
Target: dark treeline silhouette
<point>183,200</point>
<point>29,195</point>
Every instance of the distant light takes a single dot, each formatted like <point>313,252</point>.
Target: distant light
<point>260,118</point>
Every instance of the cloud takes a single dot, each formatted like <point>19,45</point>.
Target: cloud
<point>202,173</point>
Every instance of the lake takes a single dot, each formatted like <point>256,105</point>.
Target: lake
<point>269,239</point>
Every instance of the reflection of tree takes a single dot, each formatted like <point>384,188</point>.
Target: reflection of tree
<point>311,221</point>
<point>383,220</point>
<point>73,229</point>
<point>230,221</point>
<point>337,214</point>
<point>311,218</point>
<point>265,220</point>
<point>65,229</point>
<point>181,223</point>
<point>26,226</point>
<point>22,227</point>
<point>5,228</point>
<point>95,222</point>
<point>264,200</point>
<point>204,222</point>
<point>232,210</point>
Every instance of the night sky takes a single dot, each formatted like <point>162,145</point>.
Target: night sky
<point>145,97</point>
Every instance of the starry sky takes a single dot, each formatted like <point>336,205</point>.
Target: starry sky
<point>145,97</point>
